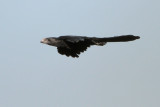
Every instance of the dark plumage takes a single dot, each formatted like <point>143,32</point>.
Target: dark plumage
<point>74,45</point>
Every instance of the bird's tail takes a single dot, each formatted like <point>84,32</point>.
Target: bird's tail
<point>123,38</point>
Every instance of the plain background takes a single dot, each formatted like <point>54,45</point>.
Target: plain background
<point>115,75</point>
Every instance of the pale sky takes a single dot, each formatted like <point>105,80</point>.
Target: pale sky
<point>115,75</point>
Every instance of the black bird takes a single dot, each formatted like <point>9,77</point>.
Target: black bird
<point>73,45</point>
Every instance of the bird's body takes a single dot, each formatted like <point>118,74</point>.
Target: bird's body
<point>74,45</point>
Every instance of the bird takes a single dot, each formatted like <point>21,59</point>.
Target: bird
<point>73,46</point>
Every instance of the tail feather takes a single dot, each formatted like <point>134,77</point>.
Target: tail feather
<point>123,38</point>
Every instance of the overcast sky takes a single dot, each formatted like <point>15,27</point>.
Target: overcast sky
<point>115,75</point>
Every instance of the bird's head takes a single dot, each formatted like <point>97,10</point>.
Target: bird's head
<point>45,41</point>
<point>50,41</point>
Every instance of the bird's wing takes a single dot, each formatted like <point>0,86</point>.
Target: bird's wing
<point>67,52</point>
<point>76,45</point>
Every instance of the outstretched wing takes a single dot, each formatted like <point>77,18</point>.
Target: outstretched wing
<point>76,46</point>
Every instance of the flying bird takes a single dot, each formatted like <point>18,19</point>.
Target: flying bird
<point>74,45</point>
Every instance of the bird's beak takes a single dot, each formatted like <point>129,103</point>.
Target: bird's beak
<point>42,41</point>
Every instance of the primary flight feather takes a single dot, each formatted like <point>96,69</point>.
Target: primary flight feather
<point>73,45</point>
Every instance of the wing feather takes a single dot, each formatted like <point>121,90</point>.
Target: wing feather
<point>75,48</point>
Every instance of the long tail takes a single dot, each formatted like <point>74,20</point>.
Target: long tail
<point>123,38</point>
